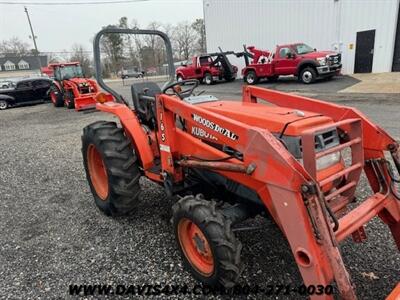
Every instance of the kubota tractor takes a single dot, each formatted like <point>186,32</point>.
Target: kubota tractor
<point>71,88</point>
<point>293,159</point>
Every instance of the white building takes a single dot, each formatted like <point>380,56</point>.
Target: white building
<point>366,32</point>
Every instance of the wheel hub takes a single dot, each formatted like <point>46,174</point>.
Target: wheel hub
<point>195,247</point>
<point>97,172</point>
<point>307,76</point>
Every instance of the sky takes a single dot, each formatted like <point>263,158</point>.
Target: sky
<point>58,28</point>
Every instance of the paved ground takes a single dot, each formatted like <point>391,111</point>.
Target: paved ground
<point>52,235</point>
<point>376,83</point>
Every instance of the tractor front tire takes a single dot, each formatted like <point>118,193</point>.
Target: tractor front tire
<point>111,167</point>
<point>56,96</point>
<point>70,100</point>
<point>206,241</point>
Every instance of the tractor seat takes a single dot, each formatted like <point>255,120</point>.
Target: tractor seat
<point>145,108</point>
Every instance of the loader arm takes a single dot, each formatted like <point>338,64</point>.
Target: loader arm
<point>291,192</point>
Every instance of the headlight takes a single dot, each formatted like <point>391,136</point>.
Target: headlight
<point>328,160</point>
<point>321,61</point>
<point>81,84</point>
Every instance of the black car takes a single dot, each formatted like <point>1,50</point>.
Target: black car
<point>25,91</point>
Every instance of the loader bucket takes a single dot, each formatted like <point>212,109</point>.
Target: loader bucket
<point>88,101</point>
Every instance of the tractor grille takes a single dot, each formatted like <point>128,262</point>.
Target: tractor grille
<point>326,140</point>
<point>334,59</point>
<point>84,90</point>
<point>323,141</point>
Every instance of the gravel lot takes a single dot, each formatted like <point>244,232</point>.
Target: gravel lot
<point>52,235</point>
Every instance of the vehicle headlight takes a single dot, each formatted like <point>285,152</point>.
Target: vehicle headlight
<point>81,84</point>
<point>321,61</point>
<point>328,160</point>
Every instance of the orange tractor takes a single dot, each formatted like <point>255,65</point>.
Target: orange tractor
<point>71,88</point>
<point>294,159</point>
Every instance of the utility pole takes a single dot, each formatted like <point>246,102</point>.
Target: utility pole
<point>34,41</point>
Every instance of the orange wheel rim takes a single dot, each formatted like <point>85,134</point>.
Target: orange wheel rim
<point>195,247</point>
<point>97,172</point>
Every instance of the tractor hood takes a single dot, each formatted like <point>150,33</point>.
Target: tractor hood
<point>78,80</point>
<point>275,119</point>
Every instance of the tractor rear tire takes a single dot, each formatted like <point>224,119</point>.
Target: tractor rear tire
<point>251,77</point>
<point>206,241</point>
<point>71,100</point>
<point>111,167</point>
<point>56,96</point>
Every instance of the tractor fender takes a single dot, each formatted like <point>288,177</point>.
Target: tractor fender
<point>58,85</point>
<point>305,63</point>
<point>133,130</point>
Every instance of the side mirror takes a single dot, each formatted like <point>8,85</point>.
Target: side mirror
<point>289,55</point>
<point>315,49</point>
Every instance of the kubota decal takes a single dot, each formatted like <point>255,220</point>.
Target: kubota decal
<point>217,128</point>
<point>200,132</point>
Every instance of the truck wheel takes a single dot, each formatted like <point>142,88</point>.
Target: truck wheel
<point>3,104</point>
<point>251,77</point>
<point>206,241</point>
<point>70,99</point>
<point>308,75</point>
<point>111,167</point>
<point>208,79</point>
<point>56,96</point>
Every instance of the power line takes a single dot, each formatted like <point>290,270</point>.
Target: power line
<point>70,3</point>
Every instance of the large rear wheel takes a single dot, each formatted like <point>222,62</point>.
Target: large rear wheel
<point>111,167</point>
<point>206,241</point>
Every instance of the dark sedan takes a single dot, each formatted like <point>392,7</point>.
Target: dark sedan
<point>25,91</point>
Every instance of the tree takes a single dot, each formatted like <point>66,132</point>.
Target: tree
<point>200,29</point>
<point>14,46</point>
<point>79,54</point>
<point>184,37</point>
<point>113,45</point>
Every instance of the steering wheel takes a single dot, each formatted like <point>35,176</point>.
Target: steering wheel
<point>194,83</point>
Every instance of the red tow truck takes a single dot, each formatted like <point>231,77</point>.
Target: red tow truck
<point>298,59</point>
<point>208,68</point>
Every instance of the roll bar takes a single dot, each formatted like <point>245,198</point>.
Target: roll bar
<point>97,60</point>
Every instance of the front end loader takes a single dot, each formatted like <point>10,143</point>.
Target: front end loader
<point>70,88</point>
<point>294,159</point>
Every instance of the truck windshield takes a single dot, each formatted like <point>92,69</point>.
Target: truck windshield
<point>68,72</point>
<point>303,49</point>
